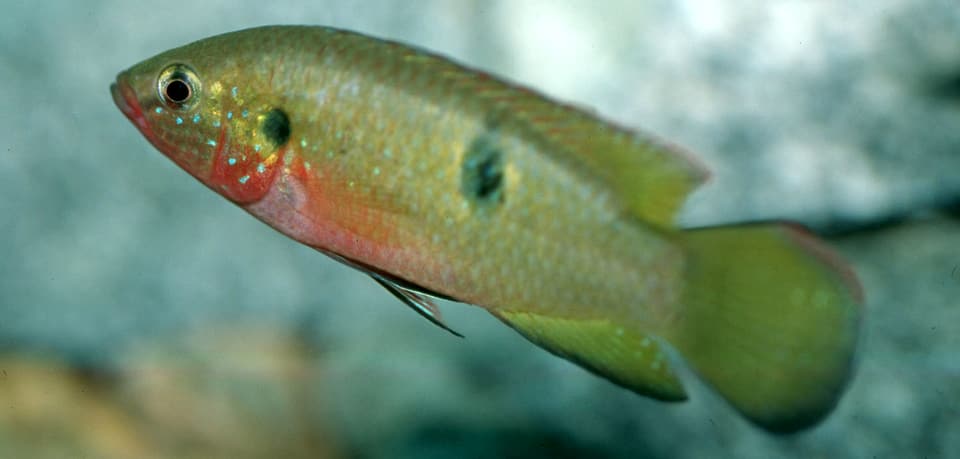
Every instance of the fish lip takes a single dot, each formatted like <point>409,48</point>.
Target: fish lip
<point>126,100</point>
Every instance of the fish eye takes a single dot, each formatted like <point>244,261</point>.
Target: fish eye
<point>178,86</point>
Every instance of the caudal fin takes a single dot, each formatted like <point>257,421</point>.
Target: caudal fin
<point>770,319</point>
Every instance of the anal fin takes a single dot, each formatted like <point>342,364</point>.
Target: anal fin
<point>623,356</point>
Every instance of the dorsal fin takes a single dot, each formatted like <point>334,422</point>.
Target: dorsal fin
<point>649,178</point>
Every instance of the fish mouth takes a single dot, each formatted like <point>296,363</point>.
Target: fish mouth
<point>126,100</point>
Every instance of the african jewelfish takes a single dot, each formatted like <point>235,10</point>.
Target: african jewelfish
<point>442,181</point>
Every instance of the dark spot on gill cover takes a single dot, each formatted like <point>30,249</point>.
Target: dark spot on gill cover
<point>276,127</point>
<point>482,170</point>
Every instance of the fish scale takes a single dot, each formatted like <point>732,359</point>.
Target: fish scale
<point>440,181</point>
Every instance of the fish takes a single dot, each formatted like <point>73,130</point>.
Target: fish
<point>445,182</point>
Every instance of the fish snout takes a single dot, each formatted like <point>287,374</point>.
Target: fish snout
<point>126,100</point>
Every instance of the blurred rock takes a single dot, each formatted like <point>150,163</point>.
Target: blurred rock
<point>242,392</point>
<point>237,393</point>
<point>50,410</point>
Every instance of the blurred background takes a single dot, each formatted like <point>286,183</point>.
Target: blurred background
<point>142,316</point>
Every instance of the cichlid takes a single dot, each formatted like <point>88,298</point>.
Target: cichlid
<point>444,182</point>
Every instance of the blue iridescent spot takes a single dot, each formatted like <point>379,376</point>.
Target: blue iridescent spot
<point>243,179</point>
<point>233,91</point>
<point>244,113</point>
<point>231,161</point>
<point>179,120</point>
<point>229,115</point>
<point>256,147</point>
<point>211,142</point>
<point>158,109</point>
<point>216,123</point>
<point>261,168</point>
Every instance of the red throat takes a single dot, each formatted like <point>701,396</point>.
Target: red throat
<point>241,174</point>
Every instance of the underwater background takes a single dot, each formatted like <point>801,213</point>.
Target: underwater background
<point>142,316</point>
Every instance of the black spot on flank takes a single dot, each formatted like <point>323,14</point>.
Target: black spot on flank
<point>482,173</point>
<point>276,127</point>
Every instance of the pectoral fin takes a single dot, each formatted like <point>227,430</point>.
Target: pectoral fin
<point>417,301</point>
<point>416,297</point>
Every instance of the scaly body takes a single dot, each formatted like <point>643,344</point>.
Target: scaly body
<point>440,180</point>
<point>393,195</point>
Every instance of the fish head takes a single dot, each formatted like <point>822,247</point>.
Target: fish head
<point>211,111</point>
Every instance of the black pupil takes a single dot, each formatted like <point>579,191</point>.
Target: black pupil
<point>178,91</point>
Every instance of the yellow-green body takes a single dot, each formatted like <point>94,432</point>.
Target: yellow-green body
<point>435,176</point>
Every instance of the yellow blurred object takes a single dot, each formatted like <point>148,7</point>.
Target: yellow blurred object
<point>231,394</point>
<point>50,410</point>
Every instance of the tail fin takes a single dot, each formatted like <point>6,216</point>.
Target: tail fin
<point>770,319</point>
